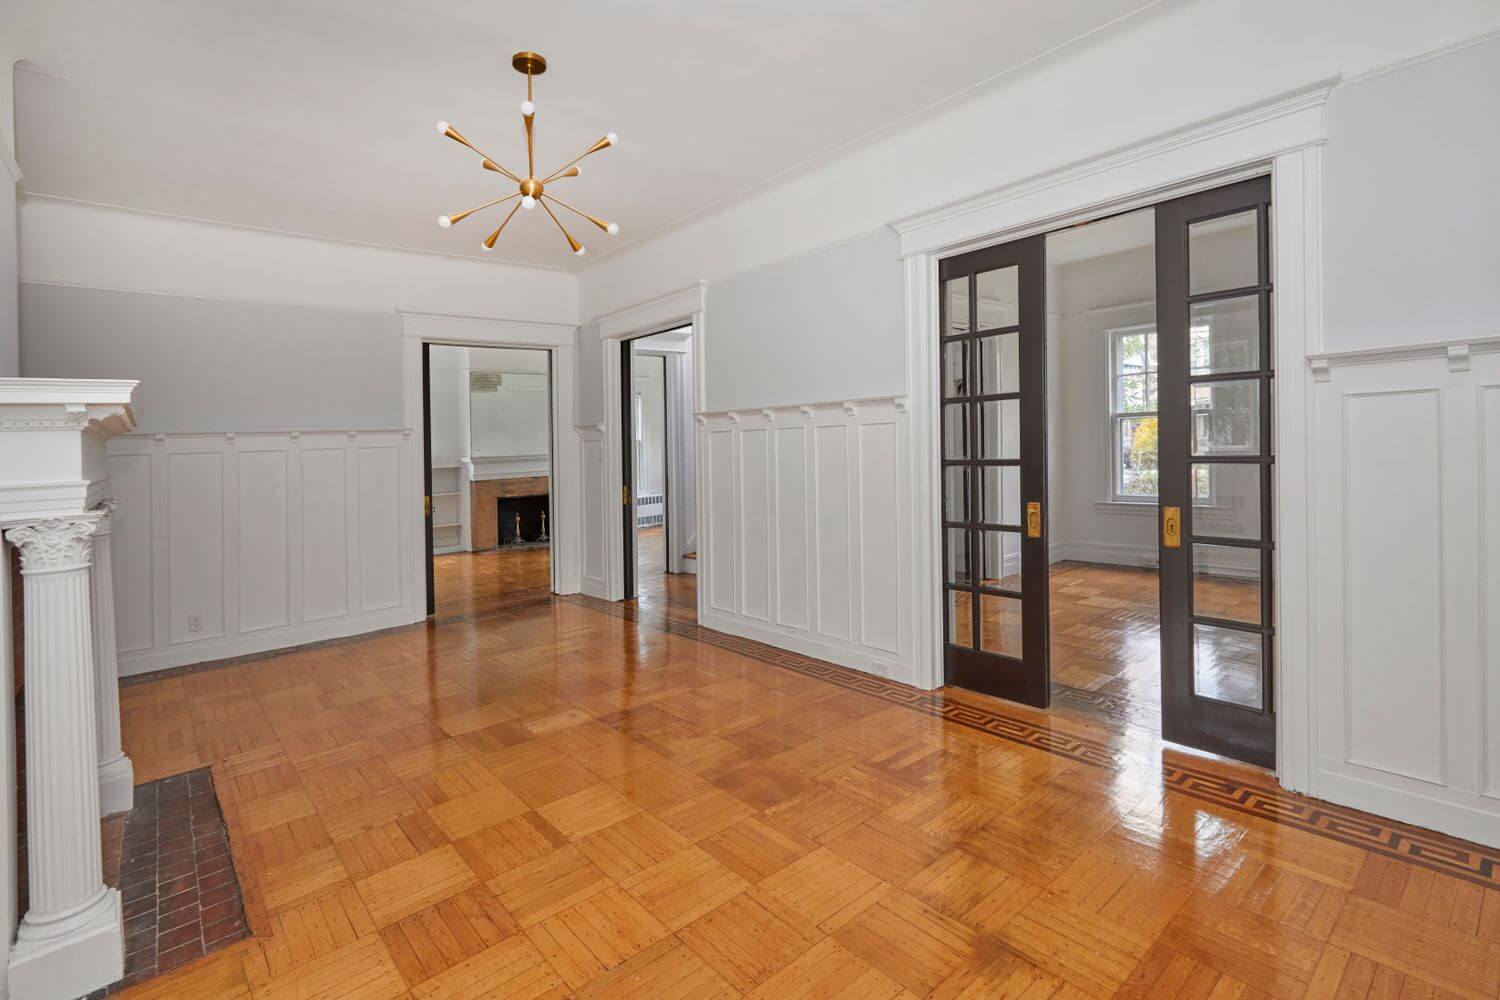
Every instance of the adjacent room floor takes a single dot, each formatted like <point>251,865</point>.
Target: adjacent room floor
<point>573,798</point>
<point>467,583</point>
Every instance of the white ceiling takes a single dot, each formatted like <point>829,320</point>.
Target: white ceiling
<point>316,116</point>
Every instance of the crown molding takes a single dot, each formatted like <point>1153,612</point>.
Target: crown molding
<point>951,225</point>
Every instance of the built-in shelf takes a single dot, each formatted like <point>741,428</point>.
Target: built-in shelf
<point>449,524</point>
<point>454,493</point>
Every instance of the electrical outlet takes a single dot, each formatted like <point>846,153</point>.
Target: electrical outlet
<point>195,623</point>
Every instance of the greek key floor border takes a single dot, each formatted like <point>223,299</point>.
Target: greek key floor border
<point>1425,848</point>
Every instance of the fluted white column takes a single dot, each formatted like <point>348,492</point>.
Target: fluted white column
<point>116,775</point>
<point>71,940</point>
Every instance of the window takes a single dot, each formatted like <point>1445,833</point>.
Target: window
<point>1132,406</point>
<point>1133,413</point>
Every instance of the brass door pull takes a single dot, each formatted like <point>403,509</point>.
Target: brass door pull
<point>1171,527</point>
<point>1033,520</point>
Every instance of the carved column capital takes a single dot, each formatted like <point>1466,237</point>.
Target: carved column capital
<point>53,546</point>
<point>105,508</point>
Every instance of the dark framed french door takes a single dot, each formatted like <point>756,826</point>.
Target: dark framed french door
<point>627,463</point>
<point>993,433</point>
<point>1213,301</point>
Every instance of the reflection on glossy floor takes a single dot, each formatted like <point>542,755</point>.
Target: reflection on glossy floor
<point>573,798</point>
<point>1106,641</point>
<point>469,583</point>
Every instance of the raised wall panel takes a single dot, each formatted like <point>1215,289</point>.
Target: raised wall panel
<point>879,606</point>
<point>1393,508</point>
<point>791,527</point>
<point>722,517</point>
<point>803,512</point>
<point>831,486</point>
<point>195,545</point>
<point>130,551</point>
<point>264,581</point>
<point>379,528</point>
<point>325,589</point>
<point>1489,584</point>
<point>755,523</point>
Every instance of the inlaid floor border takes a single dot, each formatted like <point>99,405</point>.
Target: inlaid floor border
<point>1425,848</point>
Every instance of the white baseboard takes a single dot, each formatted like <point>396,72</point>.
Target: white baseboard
<point>1108,553</point>
<point>595,588</point>
<point>1145,557</point>
<point>1435,812</point>
<point>801,642</point>
<point>146,660</point>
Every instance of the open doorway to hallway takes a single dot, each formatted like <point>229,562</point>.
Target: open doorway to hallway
<point>489,473</point>
<point>661,549</point>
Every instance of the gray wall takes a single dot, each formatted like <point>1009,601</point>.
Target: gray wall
<point>823,326</point>
<point>1412,213</point>
<point>215,365</point>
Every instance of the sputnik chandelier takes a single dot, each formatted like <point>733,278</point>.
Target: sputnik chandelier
<point>532,192</point>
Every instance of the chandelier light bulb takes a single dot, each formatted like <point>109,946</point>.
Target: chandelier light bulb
<point>444,222</point>
<point>442,128</point>
<point>612,137</point>
<point>528,109</point>
<point>580,251</point>
<point>528,202</point>
<point>484,245</point>
<point>613,229</point>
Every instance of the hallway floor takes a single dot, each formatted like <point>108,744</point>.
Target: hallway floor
<point>573,798</point>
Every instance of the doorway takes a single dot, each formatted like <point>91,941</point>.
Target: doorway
<point>488,471</point>
<point>659,525</point>
<point>1141,491</point>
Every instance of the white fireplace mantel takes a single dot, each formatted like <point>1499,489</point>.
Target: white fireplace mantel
<point>54,509</point>
<point>52,434</point>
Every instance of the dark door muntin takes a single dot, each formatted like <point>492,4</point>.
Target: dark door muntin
<point>1243,729</point>
<point>984,612</point>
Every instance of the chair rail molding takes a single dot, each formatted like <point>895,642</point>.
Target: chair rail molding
<point>1281,136</point>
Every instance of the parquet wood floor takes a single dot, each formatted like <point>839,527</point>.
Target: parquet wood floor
<point>574,799</point>
<point>467,583</point>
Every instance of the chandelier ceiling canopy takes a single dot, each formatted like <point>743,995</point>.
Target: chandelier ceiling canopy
<point>531,190</point>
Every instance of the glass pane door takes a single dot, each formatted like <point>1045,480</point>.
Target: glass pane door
<point>992,361</point>
<point>1213,298</point>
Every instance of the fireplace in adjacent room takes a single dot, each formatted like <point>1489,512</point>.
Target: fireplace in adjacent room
<point>532,511</point>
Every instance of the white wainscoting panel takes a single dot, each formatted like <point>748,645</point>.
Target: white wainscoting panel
<point>802,514</point>
<point>1405,616</point>
<point>237,543</point>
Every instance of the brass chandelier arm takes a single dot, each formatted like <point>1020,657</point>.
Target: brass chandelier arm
<point>461,216</point>
<point>604,142</point>
<point>530,145</point>
<point>489,241</point>
<point>489,162</point>
<point>577,247</point>
<point>603,225</point>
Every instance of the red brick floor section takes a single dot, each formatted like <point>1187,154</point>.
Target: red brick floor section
<point>177,881</point>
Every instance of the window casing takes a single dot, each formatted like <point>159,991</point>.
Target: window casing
<point>1133,415</point>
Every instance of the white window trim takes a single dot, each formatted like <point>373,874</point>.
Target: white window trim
<point>1114,415</point>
